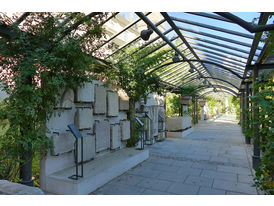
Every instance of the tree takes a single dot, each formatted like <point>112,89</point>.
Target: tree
<point>129,73</point>
<point>41,53</point>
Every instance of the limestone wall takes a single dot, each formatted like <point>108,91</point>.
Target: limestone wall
<point>99,112</point>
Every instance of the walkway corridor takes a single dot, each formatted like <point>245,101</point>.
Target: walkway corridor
<point>210,161</point>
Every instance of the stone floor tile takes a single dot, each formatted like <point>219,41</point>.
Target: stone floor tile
<point>219,175</point>
<point>183,189</point>
<point>165,168</point>
<point>234,193</point>
<point>198,157</point>
<point>200,181</point>
<point>213,156</point>
<point>182,163</point>
<point>145,173</point>
<point>235,170</point>
<point>173,177</point>
<point>119,189</point>
<point>245,179</point>
<point>189,171</point>
<point>210,191</point>
<point>154,192</point>
<point>155,184</point>
<point>201,165</point>
<point>234,187</point>
<point>128,179</point>
<point>161,161</point>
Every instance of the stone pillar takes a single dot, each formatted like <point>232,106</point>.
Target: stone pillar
<point>220,107</point>
<point>226,106</point>
<point>256,136</point>
<point>243,109</point>
<point>202,113</point>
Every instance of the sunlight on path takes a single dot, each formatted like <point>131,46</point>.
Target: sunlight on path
<point>211,160</point>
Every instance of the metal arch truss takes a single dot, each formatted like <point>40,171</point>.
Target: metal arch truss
<point>203,61</point>
<point>217,86</point>
<point>206,93</point>
<point>213,78</point>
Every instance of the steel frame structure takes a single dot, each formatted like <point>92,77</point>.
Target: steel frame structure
<point>213,57</point>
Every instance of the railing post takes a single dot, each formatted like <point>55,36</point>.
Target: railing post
<point>256,136</point>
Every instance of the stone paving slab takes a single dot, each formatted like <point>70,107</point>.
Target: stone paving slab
<point>236,170</point>
<point>118,189</point>
<point>210,161</point>
<point>172,177</point>
<point>153,192</point>
<point>205,166</point>
<point>219,175</point>
<point>128,179</point>
<point>245,178</point>
<point>234,186</point>
<point>155,184</point>
<point>189,171</point>
<point>183,189</point>
<point>210,191</point>
<point>200,181</point>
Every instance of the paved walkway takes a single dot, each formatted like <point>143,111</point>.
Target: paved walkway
<point>210,161</point>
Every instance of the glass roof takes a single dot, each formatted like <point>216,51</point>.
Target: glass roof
<point>218,48</point>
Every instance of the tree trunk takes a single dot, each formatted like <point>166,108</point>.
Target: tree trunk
<point>132,112</point>
<point>26,169</point>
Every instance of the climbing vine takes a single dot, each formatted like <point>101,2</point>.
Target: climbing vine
<point>45,53</point>
<point>264,118</point>
<point>131,75</point>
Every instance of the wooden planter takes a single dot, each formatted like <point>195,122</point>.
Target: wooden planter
<point>202,103</point>
<point>185,100</point>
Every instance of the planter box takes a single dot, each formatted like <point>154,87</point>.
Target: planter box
<point>185,100</point>
<point>178,123</point>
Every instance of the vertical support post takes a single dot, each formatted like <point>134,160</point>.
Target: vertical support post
<point>197,112</point>
<point>256,136</point>
<point>263,125</point>
<point>244,110</point>
<point>241,110</point>
<point>247,119</point>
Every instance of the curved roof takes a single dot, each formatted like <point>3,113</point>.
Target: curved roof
<point>218,49</point>
<point>221,47</point>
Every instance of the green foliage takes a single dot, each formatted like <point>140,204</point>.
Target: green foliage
<point>40,60</point>
<point>211,103</point>
<point>263,101</point>
<point>190,90</point>
<point>172,104</point>
<point>235,102</point>
<point>134,138</point>
<point>130,74</point>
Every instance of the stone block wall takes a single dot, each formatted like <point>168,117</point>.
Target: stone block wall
<point>100,114</point>
<point>155,128</point>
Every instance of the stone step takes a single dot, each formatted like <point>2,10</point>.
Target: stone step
<point>181,134</point>
<point>96,173</point>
